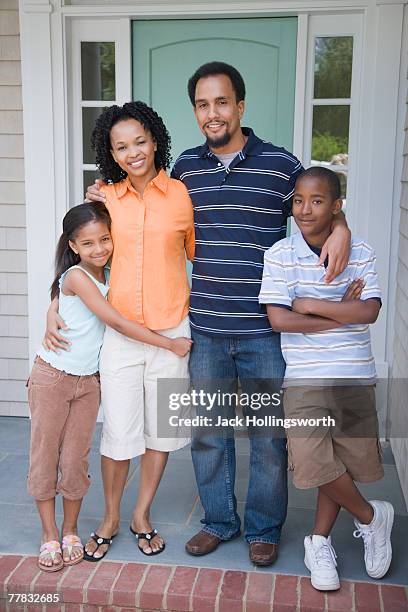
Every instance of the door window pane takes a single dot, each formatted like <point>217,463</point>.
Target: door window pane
<point>89,177</point>
<point>330,133</point>
<point>98,70</point>
<point>332,69</point>
<point>89,116</point>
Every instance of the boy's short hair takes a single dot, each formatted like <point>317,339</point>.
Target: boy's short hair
<point>322,173</point>
<point>213,69</point>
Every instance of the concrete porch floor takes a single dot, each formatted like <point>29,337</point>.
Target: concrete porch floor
<point>177,512</point>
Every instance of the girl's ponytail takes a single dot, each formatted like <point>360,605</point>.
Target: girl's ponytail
<point>76,217</point>
<point>65,258</point>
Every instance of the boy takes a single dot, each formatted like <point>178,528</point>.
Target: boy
<point>330,371</point>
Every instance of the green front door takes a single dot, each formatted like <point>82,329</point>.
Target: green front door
<point>167,52</point>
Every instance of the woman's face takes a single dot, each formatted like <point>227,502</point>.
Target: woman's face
<point>133,149</point>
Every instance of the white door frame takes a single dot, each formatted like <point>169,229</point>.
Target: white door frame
<point>45,28</point>
<point>118,31</point>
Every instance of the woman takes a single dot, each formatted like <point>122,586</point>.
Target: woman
<point>152,230</point>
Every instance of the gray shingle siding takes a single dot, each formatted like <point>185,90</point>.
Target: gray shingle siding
<point>13,258</point>
<point>398,399</point>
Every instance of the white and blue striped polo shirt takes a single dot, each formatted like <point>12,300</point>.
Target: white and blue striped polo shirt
<point>239,212</point>
<point>291,271</point>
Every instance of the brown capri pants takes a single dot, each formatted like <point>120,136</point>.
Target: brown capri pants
<point>319,454</point>
<point>63,410</point>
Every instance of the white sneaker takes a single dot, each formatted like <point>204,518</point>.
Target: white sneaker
<point>377,539</point>
<point>320,560</point>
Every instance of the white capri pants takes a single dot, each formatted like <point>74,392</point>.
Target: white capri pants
<point>129,371</point>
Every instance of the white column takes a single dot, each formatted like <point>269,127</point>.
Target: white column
<point>39,150</point>
<point>376,163</point>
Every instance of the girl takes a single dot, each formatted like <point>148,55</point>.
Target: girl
<point>153,231</point>
<point>63,390</point>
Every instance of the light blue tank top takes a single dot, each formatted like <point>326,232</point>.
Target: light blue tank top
<point>85,332</point>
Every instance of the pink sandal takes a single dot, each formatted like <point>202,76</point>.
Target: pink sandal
<point>68,543</point>
<point>50,548</point>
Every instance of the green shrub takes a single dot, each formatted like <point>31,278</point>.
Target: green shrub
<point>324,146</point>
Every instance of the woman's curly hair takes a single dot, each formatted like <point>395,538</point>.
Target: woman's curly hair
<point>110,170</point>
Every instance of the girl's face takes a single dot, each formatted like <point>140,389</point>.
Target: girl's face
<point>133,149</point>
<point>93,243</point>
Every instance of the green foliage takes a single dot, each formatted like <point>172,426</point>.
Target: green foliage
<point>107,62</point>
<point>332,79</point>
<point>333,63</point>
<point>325,145</point>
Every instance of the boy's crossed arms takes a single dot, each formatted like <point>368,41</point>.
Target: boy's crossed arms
<point>310,315</point>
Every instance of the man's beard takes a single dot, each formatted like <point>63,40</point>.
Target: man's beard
<point>221,141</point>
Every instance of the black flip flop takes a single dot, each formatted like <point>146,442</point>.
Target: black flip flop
<point>99,541</point>
<point>146,536</point>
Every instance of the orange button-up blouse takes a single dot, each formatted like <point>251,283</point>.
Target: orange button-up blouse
<point>151,235</point>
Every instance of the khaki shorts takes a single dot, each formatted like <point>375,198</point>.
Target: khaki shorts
<point>319,454</point>
<point>129,371</point>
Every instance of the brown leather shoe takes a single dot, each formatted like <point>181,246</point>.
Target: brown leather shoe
<point>263,554</point>
<point>202,544</point>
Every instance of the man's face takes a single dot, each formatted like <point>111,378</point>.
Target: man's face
<point>217,111</point>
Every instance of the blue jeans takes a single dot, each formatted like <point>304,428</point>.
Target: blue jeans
<point>227,359</point>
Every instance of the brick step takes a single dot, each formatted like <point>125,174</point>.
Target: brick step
<point>129,587</point>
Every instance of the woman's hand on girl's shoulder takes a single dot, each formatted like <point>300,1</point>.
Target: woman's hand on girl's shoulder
<point>94,193</point>
<point>181,346</point>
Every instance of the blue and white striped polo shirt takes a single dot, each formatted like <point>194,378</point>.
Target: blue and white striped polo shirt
<point>239,212</point>
<point>291,271</point>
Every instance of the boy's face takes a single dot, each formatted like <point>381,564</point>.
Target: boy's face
<point>314,207</point>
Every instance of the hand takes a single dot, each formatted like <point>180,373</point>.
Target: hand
<point>53,340</point>
<point>181,346</point>
<point>337,248</point>
<point>301,305</point>
<point>94,194</point>
<point>354,290</point>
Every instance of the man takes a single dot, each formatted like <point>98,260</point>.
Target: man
<point>241,189</point>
